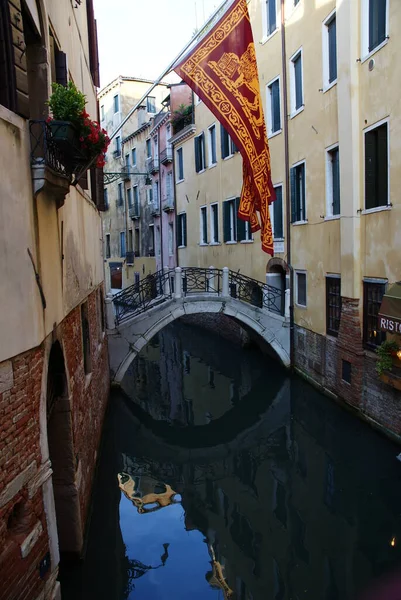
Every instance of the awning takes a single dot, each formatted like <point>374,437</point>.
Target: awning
<point>389,316</point>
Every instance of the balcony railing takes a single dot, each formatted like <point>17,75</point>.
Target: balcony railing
<point>134,212</point>
<point>166,156</point>
<point>129,258</point>
<point>125,176</point>
<point>116,153</point>
<point>154,165</point>
<point>155,209</point>
<point>168,204</point>
<point>45,152</point>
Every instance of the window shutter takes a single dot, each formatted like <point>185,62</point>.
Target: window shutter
<point>196,141</point>
<point>382,166</point>
<point>224,142</point>
<point>276,106</point>
<point>278,213</point>
<point>377,23</point>
<point>332,31</point>
<point>293,195</point>
<point>178,230</point>
<point>203,157</point>
<point>298,82</point>
<point>61,68</point>
<point>240,223</point>
<point>216,222</point>
<point>226,221</point>
<point>370,169</point>
<point>7,71</point>
<point>381,21</point>
<point>272,15</point>
<point>184,241</point>
<point>19,75</point>
<point>336,182</point>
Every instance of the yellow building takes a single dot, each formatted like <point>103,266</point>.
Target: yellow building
<point>128,230</point>
<point>54,379</point>
<point>326,71</point>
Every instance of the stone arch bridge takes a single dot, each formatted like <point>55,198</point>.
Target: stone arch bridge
<point>138,312</point>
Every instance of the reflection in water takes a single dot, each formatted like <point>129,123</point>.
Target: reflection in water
<point>242,484</point>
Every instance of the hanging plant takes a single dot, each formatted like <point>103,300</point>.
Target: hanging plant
<point>386,351</point>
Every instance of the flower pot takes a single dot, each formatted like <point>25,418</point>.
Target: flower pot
<point>64,132</point>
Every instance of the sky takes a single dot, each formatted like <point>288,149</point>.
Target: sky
<point>139,38</point>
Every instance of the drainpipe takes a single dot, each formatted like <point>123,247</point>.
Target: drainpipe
<point>287,183</point>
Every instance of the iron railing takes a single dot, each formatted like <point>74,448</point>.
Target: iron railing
<point>44,151</point>
<point>256,293</point>
<point>154,165</point>
<point>166,156</point>
<point>196,280</point>
<point>139,297</point>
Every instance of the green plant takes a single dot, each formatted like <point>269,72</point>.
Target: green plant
<point>67,103</point>
<point>182,117</point>
<point>385,352</point>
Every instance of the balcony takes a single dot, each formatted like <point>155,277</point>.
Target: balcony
<point>129,258</point>
<point>155,209</point>
<point>166,156</point>
<point>154,166</point>
<point>168,204</point>
<point>117,153</point>
<point>134,212</point>
<point>125,176</point>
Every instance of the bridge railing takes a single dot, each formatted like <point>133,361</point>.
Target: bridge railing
<point>167,283</point>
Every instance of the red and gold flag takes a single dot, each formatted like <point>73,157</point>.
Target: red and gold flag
<point>222,71</point>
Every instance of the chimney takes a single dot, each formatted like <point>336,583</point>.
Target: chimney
<point>142,114</point>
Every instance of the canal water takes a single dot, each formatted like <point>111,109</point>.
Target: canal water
<point>221,477</point>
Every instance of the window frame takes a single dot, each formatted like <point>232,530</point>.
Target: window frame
<point>148,149</point>
<point>231,147</point>
<point>171,239</point>
<point>211,163</point>
<point>150,105</point>
<point>273,212</point>
<point>129,197</point>
<point>116,103</point>
<point>182,229</point>
<point>379,207</point>
<point>365,52</point>
<point>268,32</point>
<point>233,221</point>
<point>200,152</point>
<point>299,272</point>
<point>180,165</point>
<point>330,215</point>
<point>381,335</point>
<point>304,220</point>
<point>133,156</point>
<point>333,316</point>
<point>203,226</point>
<point>327,84</point>
<point>294,110</point>
<point>214,224</point>
<point>108,246</point>
<point>269,107</point>
<point>123,237</point>
<point>120,194</point>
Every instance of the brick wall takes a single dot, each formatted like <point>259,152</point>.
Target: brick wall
<point>23,528</point>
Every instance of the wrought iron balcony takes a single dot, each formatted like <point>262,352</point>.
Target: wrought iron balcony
<point>129,258</point>
<point>154,165</point>
<point>134,212</point>
<point>125,175</point>
<point>168,204</point>
<point>155,209</point>
<point>166,156</point>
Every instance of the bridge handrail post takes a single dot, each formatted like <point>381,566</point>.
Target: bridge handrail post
<point>287,304</point>
<point>226,286</point>
<point>166,282</point>
<point>211,278</point>
<point>110,318</point>
<point>178,283</point>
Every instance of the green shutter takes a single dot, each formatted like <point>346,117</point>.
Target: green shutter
<point>197,168</point>
<point>370,169</point>
<point>178,230</point>
<point>275,100</point>
<point>293,196</point>
<point>382,166</point>
<point>224,140</point>
<point>278,213</point>
<point>336,181</point>
<point>298,81</point>
<point>216,222</point>
<point>226,221</point>
<point>332,31</point>
<point>184,241</point>
<point>240,223</point>
<point>377,23</point>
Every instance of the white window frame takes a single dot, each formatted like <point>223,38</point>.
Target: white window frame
<point>301,272</point>
<point>148,146</point>
<point>214,242</point>
<point>209,145</point>
<point>181,224</point>
<point>367,211</point>
<point>325,53</point>
<point>271,133</point>
<point>272,209</point>
<point>365,54</point>
<point>233,222</point>
<point>305,219</point>
<point>296,111</point>
<point>268,36</point>
<point>248,234</point>
<point>149,193</point>
<point>202,216</point>
<point>133,153</point>
<point>329,185</point>
<point>178,180</point>
<point>115,112</point>
<point>201,135</point>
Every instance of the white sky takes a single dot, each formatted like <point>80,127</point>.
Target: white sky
<point>139,38</point>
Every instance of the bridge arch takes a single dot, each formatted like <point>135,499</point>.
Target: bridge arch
<point>128,339</point>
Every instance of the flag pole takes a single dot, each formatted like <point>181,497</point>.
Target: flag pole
<point>168,69</point>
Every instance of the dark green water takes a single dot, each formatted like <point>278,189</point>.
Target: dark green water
<point>279,493</point>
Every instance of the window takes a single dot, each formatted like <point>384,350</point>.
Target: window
<point>136,200</point>
<point>123,249</point>
<point>296,2</point>
<point>120,197</point>
<point>137,241</point>
<point>376,167</point>
<point>377,22</point>
<point>229,221</point>
<point>158,240</point>
<point>180,165</point>
<point>117,151</point>
<point>273,107</point>
<point>134,157</point>
<point>170,239</point>
<point>297,94</point>
<point>156,192</point>
<point>102,112</point>
<point>333,304</point>
<point>106,198</point>
<point>298,201</point>
<point>149,192</point>
<point>169,187</point>
<point>214,223</point>
<point>270,17</point>
<point>127,161</point>
<point>212,146</point>
<point>182,230</point>
<point>276,209</point>
<point>148,149</point>
<point>228,148</point>
<point>332,182</point>
<point>300,288</point>
<point>129,197</point>
<point>200,158</point>
<point>86,348</point>
<point>116,104</point>
<point>203,225</point>
<point>130,240</point>
<point>151,104</point>
<point>373,293</point>
<point>329,51</point>
<point>108,253</point>
<point>151,240</point>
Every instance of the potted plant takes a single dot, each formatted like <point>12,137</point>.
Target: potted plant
<point>386,351</point>
<point>182,117</point>
<point>79,137</point>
